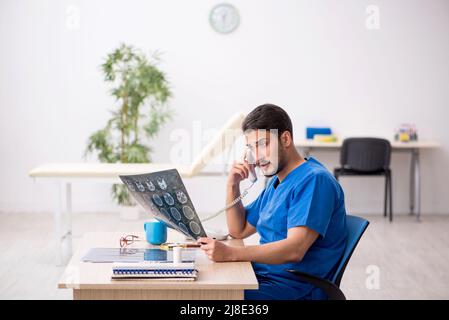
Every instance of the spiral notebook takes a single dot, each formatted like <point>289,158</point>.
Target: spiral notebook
<point>154,271</point>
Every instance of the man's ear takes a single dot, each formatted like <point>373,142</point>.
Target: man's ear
<point>286,139</point>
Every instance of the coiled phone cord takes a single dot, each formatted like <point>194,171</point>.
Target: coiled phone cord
<point>229,205</point>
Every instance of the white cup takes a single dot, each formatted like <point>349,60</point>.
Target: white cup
<point>177,255</point>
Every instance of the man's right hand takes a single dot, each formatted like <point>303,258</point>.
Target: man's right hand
<point>235,216</point>
<point>239,172</point>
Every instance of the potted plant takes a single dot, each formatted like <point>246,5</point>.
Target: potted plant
<point>141,92</point>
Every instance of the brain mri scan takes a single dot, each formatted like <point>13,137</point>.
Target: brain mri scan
<point>150,185</point>
<point>130,186</point>
<point>140,186</point>
<point>175,214</point>
<point>169,199</point>
<point>188,213</point>
<point>164,212</point>
<point>157,200</point>
<point>183,227</point>
<point>194,227</point>
<point>163,193</point>
<point>161,183</point>
<point>182,198</point>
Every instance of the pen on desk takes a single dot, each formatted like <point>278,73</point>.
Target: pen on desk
<point>193,245</point>
<point>168,246</point>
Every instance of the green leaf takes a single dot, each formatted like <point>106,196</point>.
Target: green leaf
<point>137,153</point>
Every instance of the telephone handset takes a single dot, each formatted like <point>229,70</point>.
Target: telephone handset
<point>251,176</point>
<point>252,166</point>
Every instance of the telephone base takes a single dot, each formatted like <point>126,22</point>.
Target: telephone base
<point>216,234</point>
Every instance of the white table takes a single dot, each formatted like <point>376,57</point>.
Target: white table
<point>413,147</point>
<point>64,174</point>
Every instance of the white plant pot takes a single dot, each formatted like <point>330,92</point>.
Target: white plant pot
<point>129,212</point>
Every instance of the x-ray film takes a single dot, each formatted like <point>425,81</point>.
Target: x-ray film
<point>164,195</point>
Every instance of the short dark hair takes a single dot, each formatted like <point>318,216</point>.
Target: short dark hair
<point>268,116</point>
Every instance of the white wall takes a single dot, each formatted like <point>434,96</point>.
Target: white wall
<point>314,58</point>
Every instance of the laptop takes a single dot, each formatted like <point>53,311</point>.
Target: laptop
<point>164,195</point>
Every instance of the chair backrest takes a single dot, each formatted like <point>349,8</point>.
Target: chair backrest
<point>356,227</point>
<point>365,154</point>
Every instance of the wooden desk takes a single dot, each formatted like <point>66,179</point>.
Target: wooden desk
<point>226,280</point>
<point>415,173</point>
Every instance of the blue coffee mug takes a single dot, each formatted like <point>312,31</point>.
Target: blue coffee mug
<point>156,232</point>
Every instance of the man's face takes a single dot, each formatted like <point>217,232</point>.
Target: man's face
<point>266,151</point>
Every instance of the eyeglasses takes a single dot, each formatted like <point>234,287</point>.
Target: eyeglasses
<point>128,239</point>
<point>258,148</point>
<point>262,143</point>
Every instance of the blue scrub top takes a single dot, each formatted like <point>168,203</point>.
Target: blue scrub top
<point>309,196</point>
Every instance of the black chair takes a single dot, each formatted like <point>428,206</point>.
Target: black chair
<point>367,157</point>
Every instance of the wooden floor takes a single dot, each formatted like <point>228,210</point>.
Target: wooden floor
<point>402,260</point>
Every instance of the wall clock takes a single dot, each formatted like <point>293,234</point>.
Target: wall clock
<point>224,18</point>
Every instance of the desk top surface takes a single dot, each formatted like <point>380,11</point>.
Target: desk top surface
<point>394,144</point>
<point>211,275</point>
<point>102,170</point>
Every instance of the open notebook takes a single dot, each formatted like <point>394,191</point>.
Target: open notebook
<point>154,271</point>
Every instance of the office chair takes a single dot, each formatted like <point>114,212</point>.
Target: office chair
<point>367,157</point>
<point>356,228</point>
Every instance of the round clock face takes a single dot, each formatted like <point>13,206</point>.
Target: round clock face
<point>224,18</point>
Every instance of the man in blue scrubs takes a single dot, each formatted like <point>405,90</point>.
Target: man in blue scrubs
<point>300,216</point>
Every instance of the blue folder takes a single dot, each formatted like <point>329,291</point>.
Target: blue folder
<point>310,131</point>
